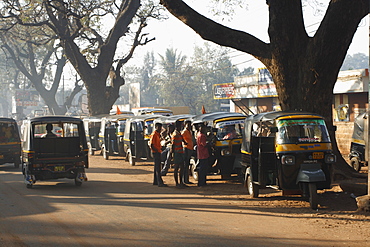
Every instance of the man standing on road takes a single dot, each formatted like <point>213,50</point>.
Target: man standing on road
<point>188,149</point>
<point>155,145</point>
<point>202,153</point>
<point>178,156</point>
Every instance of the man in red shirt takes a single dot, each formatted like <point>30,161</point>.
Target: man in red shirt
<point>203,155</point>
<point>178,155</point>
<point>155,145</point>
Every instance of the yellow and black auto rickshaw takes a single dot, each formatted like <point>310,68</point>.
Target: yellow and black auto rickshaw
<point>224,135</point>
<point>54,147</point>
<point>111,134</point>
<point>136,137</point>
<point>359,153</point>
<point>10,143</point>
<point>290,151</point>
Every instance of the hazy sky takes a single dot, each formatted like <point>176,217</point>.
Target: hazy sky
<point>254,20</point>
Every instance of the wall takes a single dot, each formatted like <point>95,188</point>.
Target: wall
<point>344,136</point>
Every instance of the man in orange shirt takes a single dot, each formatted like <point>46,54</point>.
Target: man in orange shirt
<point>188,149</point>
<point>155,146</point>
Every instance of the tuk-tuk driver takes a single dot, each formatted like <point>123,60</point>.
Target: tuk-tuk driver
<point>155,146</point>
<point>49,133</point>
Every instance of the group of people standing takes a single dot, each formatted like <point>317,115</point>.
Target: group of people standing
<point>179,144</point>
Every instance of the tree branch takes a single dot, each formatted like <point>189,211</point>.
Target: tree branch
<point>212,31</point>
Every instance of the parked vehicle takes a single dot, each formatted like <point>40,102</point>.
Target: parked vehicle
<point>54,147</point>
<point>290,151</point>
<point>225,137</point>
<point>111,135</point>
<point>10,143</point>
<point>92,127</point>
<point>358,155</point>
<point>136,138</point>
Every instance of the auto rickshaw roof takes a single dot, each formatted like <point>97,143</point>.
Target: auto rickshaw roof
<point>6,119</point>
<point>269,116</point>
<point>118,117</point>
<point>144,117</point>
<point>210,117</point>
<point>154,110</point>
<point>56,119</point>
<point>172,119</point>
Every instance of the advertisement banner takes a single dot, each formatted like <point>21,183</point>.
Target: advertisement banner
<point>224,91</point>
<point>27,97</point>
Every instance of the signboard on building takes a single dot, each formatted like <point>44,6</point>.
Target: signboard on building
<point>27,97</point>
<point>224,91</point>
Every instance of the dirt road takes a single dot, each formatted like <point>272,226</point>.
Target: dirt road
<point>119,206</point>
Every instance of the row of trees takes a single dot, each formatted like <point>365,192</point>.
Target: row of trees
<point>39,34</point>
<point>172,79</point>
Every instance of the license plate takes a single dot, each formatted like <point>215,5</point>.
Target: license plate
<point>318,155</point>
<point>59,169</point>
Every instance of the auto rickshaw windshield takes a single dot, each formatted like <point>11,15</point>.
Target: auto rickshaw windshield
<point>302,131</point>
<point>8,133</point>
<point>121,126</point>
<point>229,130</point>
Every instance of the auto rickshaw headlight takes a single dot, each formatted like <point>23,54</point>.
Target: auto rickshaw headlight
<point>330,158</point>
<point>225,152</point>
<point>288,160</point>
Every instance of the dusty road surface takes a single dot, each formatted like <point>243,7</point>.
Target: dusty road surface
<point>119,206</point>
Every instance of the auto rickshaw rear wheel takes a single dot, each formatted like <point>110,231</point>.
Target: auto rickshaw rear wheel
<point>29,186</point>
<point>78,183</point>
<point>253,189</point>
<point>312,188</point>
<point>355,163</point>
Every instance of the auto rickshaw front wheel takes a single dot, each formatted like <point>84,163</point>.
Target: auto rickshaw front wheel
<point>355,163</point>
<point>193,169</point>
<point>253,189</point>
<point>312,190</point>
<point>131,160</point>
<point>105,153</point>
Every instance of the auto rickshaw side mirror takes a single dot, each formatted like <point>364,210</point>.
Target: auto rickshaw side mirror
<point>274,129</point>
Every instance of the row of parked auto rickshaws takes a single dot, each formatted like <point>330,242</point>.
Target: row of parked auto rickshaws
<point>290,151</point>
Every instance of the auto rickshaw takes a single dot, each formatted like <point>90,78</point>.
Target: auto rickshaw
<point>136,138</point>
<point>111,135</point>
<point>10,143</point>
<point>358,154</point>
<point>225,137</point>
<point>54,147</point>
<point>288,150</point>
<point>92,127</point>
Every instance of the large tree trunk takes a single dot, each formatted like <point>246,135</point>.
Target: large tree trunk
<point>304,69</point>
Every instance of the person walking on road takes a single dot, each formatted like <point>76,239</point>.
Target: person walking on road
<point>178,155</point>
<point>188,149</point>
<point>155,146</point>
<point>203,155</point>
